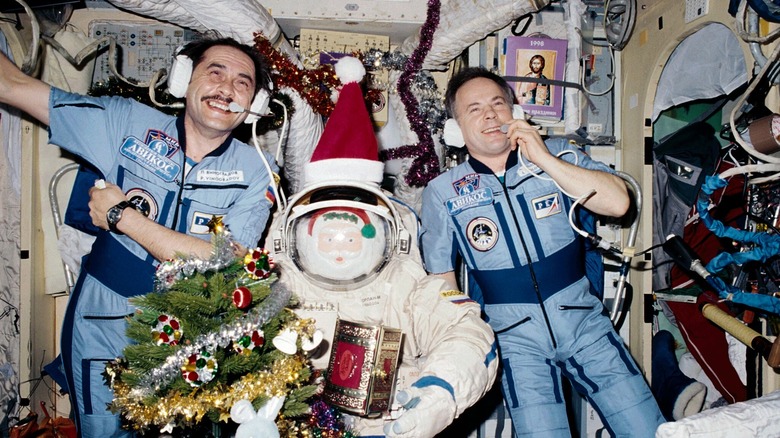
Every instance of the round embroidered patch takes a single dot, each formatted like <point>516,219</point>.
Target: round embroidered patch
<point>144,202</point>
<point>482,233</point>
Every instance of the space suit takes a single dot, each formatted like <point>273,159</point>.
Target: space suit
<point>446,344</point>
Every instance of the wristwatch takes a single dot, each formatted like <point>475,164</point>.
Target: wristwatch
<point>114,215</point>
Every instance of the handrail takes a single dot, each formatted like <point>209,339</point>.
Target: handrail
<point>70,277</point>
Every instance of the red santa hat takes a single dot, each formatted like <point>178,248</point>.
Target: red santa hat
<point>347,150</point>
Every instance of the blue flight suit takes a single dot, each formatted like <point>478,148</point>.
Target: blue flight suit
<point>142,151</point>
<point>546,320</point>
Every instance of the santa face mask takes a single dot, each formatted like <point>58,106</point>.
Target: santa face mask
<point>340,246</point>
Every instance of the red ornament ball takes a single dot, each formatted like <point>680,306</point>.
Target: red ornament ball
<point>242,297</point>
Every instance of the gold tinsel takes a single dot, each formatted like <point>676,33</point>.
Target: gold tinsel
<point>176,408</point>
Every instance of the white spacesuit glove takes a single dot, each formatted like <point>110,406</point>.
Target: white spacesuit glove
<point>429,409</point>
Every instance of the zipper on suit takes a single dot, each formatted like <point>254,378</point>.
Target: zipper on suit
<point>530,262</point>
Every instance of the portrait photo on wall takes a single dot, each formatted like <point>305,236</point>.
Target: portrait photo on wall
<point>530,62</point>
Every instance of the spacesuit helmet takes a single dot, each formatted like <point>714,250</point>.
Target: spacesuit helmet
<point>341,236</point>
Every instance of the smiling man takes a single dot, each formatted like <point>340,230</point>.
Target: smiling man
<point>508,222</point>
<point>169,177</point>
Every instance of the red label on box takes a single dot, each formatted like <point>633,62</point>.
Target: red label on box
<point>346,368</point>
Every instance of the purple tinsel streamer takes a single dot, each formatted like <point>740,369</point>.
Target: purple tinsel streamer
<point>327,421</point>
<point>426,164</point>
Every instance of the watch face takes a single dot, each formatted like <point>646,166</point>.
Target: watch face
<point>113,215</point>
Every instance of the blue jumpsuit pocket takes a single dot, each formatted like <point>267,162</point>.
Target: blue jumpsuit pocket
<point>574,307</point>
<point>202,202</point>
<point>503,318</point>
<point>98,421</point>
<point>511,326</point>
<point>148,194</point>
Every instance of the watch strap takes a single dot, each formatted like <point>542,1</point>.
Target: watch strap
<point>114,215</point>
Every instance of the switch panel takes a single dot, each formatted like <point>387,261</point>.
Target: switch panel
<point>143,48</point>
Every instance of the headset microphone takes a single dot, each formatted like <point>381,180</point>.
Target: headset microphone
<point>236,108</point>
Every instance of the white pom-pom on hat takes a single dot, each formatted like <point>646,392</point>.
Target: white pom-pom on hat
<point>350,69</point>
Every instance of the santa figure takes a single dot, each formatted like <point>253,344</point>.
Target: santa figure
<point>341,245</point>
<point>349,252</point>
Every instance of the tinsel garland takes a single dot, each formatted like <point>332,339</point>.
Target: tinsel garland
<point>254,320</point>
<point>430,102</point>
<point>313,85</point>
<point>192,407</point>
<point>326,422</point>
<point>171,271</point>
<point>425,165</point>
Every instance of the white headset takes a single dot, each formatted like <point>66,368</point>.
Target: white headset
<point>179,80</point>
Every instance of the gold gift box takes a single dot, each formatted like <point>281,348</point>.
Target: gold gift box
<point>362,369</point>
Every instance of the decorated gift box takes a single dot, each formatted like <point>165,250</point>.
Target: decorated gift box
<point>361,373</point>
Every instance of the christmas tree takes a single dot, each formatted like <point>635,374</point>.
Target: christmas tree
<point>201,346</point>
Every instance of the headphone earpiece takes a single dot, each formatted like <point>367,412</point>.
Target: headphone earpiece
<point>259,105</point>
<point>179,76</point>
<point>452,135</point>
<point>517,112</point>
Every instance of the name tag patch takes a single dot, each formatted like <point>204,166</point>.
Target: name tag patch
<point>547,205</point>
<point>200,223</point>
<point>149,158</point>
<point>473,199</point>
<point>220,176</point>
<point>482,234</point>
